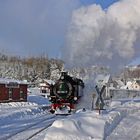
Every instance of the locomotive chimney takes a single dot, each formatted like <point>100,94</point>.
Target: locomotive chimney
<point>63,74</point>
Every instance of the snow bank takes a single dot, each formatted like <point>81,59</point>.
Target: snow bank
<point>118,113</point>
<point>36,97</point>
<point>115,104</point>
<point>90,125</point>
<point>21,113</point>
<point>32,100</point>
<point>77,127</point>
<point>40,100</point>
<point>34,91</point>
<point>17,104</point>
<point>23,110</point>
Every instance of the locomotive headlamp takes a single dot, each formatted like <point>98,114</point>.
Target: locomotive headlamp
<point>75,98</point>
<point>62,77</point>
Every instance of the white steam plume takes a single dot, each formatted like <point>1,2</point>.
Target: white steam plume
<point>109,37</point>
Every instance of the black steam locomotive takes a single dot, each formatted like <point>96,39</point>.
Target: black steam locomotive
<point>65,93</point>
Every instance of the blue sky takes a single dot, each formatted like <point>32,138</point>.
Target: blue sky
<point>38,27</point>
<point>103,3</point>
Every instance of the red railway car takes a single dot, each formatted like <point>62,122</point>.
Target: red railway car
<point>13,90</point>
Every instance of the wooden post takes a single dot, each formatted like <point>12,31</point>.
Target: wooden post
<point>93,97</point>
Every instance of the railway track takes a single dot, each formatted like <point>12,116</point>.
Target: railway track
<point>33,135</point>
<point>30,131</point>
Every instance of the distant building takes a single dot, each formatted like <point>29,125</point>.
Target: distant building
<point>45,86</point>
<point>132,85</point>
<point>12,90</point>
<point>136,85</point>
<point>106,80</point>
<point>118,84</point>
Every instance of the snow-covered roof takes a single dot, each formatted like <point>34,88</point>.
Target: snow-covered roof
<point>127,86</point>
<point>124,87</point>
<point>7,81</point>
<point>42,84</point>
<point>119,82</point>
<point>49,81</point>
<point>129,83</point>
<point>102,79</point>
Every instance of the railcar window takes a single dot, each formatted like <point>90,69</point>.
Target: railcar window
<point>21,94</point>
<point>10,91</point>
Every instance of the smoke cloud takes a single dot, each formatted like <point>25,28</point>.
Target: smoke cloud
<point>108,37</point>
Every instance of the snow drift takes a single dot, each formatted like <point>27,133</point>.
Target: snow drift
<point>89,125</point>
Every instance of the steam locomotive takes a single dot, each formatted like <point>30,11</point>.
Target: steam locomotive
<point>65,93</point>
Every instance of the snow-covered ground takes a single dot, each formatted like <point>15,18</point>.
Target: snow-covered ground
<point>128,129</point>
<point>89,125</point>
<point>119,121</point>
<point>18,116</point>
